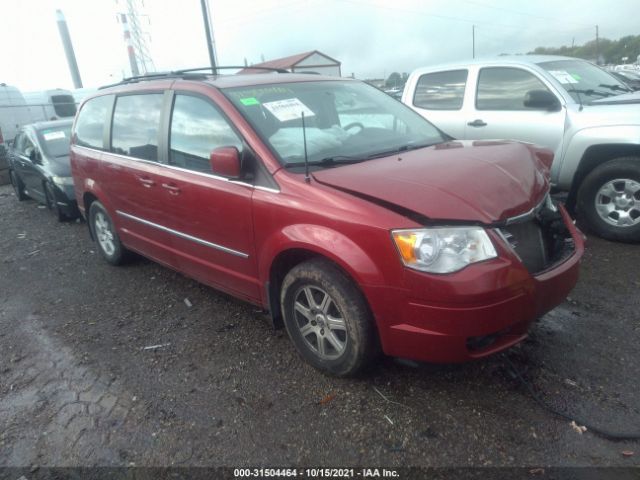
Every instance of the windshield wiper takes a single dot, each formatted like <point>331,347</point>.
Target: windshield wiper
<point>327,161</point>
<point>590,92</point>
<point>615,87</point>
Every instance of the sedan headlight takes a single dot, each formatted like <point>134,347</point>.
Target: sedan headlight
<point>443,250</point>
<point>62,180</point>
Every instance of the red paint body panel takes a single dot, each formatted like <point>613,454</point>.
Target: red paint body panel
<point>336,215</point>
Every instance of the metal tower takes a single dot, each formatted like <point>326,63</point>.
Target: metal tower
<point>135,36</point>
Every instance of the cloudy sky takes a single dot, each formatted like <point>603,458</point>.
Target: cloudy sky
<point>371,38</point>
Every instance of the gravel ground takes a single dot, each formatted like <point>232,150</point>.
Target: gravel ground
<point>78,387</point>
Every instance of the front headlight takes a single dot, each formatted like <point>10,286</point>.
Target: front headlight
<point>443,250</point>
<point>61,181</point>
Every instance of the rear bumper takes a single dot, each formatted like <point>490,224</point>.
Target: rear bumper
<point>473,313</point>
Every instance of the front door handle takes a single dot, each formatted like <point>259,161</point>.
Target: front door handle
<point>146,182</point>
<point>173,189</point>
<point>477,123</point>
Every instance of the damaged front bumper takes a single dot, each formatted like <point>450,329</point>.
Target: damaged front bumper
<point>487,307</point>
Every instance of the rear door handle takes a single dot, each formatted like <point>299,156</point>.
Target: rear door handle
<point>173,189</point>
<point>146,182</point>
<point>477,123</point>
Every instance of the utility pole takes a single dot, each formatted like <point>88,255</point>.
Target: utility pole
<point>68,49</point>
<point>207,31</point>
<point>473,40</point>
<point>597,47</point>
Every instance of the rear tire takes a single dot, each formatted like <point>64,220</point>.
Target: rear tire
<point>18,186</point>
<point>327,318</point>
<point>609,200</point>
<point>105,235</point>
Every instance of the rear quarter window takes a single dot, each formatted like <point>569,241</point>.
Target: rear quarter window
<point>441,90</point>
<point>92,121</point>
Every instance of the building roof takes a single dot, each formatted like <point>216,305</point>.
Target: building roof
<point>286,62</point>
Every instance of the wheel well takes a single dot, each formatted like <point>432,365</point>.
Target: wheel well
<point>592,158</point>
<point>281,265</point>
<point>87,199</point>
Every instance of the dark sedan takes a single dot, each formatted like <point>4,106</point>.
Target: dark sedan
<point>39,166</point>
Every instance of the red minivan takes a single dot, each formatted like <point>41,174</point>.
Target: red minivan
<point>351,219</point>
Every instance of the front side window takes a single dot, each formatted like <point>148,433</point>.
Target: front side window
<point>136,122</point>
<point>441,90</point>
<point>345,121</point>
<point>92,121</point>
<point>197,128</point>
<point>503,88</point>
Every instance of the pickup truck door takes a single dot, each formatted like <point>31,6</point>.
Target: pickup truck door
<point>438,97</point>
<point>497,111</point>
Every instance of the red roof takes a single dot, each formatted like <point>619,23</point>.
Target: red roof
<point>285,62</point>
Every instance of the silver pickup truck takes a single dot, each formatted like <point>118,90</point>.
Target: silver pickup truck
<point>585,115</point>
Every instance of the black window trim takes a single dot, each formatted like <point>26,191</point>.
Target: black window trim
<point>512,67</point>
<point>464,90</point>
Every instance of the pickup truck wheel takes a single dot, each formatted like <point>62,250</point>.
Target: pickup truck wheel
<point>105,235</point>
<point>18,186</point>
<point>609,200</point>
<point>327,318</point>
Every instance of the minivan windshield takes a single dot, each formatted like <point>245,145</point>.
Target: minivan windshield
<point>55,140</point>
<point>345,121</point>
<point>584,81</point>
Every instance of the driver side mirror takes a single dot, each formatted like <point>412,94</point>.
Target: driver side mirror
<point>541,100</point>
<point>225,161</point>
<point>34,155</point>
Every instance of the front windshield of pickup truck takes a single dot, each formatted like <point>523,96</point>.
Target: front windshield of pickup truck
<point>584,81</point>
<point>345,121</point>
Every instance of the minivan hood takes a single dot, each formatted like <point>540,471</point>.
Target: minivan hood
<point>474,181</point>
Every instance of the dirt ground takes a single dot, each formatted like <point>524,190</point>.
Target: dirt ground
<point>221,387</point>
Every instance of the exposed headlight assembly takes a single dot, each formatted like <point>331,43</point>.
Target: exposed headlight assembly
<point>443,250</point>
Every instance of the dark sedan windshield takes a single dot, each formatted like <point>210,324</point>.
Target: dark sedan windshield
<point>345,121</point>
<point>55,140</point>
<point>584,81</point>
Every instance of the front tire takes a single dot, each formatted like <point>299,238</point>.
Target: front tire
<point>52,204</point>
<point>609,200</point>
<point>104,232</point>
<point>327,318</point>
<point>18,186</point>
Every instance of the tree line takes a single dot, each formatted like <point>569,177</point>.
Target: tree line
<point>605,51</point>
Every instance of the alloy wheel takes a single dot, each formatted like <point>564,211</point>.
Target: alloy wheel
<point>104,233</point>
<point>618,202</point>
<point>320,322</point>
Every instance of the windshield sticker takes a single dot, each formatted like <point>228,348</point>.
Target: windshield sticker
<point>563,76</point>
<point>249,101</point>
<point>48,136</point>
<point>289,109</point>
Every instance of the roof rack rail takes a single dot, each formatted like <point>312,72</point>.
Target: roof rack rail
<point>187,72</point>
<point>233,67</point>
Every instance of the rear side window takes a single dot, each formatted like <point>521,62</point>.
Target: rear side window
<point>501,88</point>
<point>197,128</point>
<point>136,121</point>
<point>441,90</point>
<point>91,122</point>
<point>64,105</point>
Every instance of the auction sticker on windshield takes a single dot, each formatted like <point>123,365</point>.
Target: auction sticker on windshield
<point>289,109</point>
<point>563,76</point>
<point>48,136</point>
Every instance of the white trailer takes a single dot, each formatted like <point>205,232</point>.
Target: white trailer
<point>54,104</point>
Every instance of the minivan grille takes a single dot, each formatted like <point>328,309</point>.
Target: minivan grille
<point>527,241</point>
<point>542,240</point>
